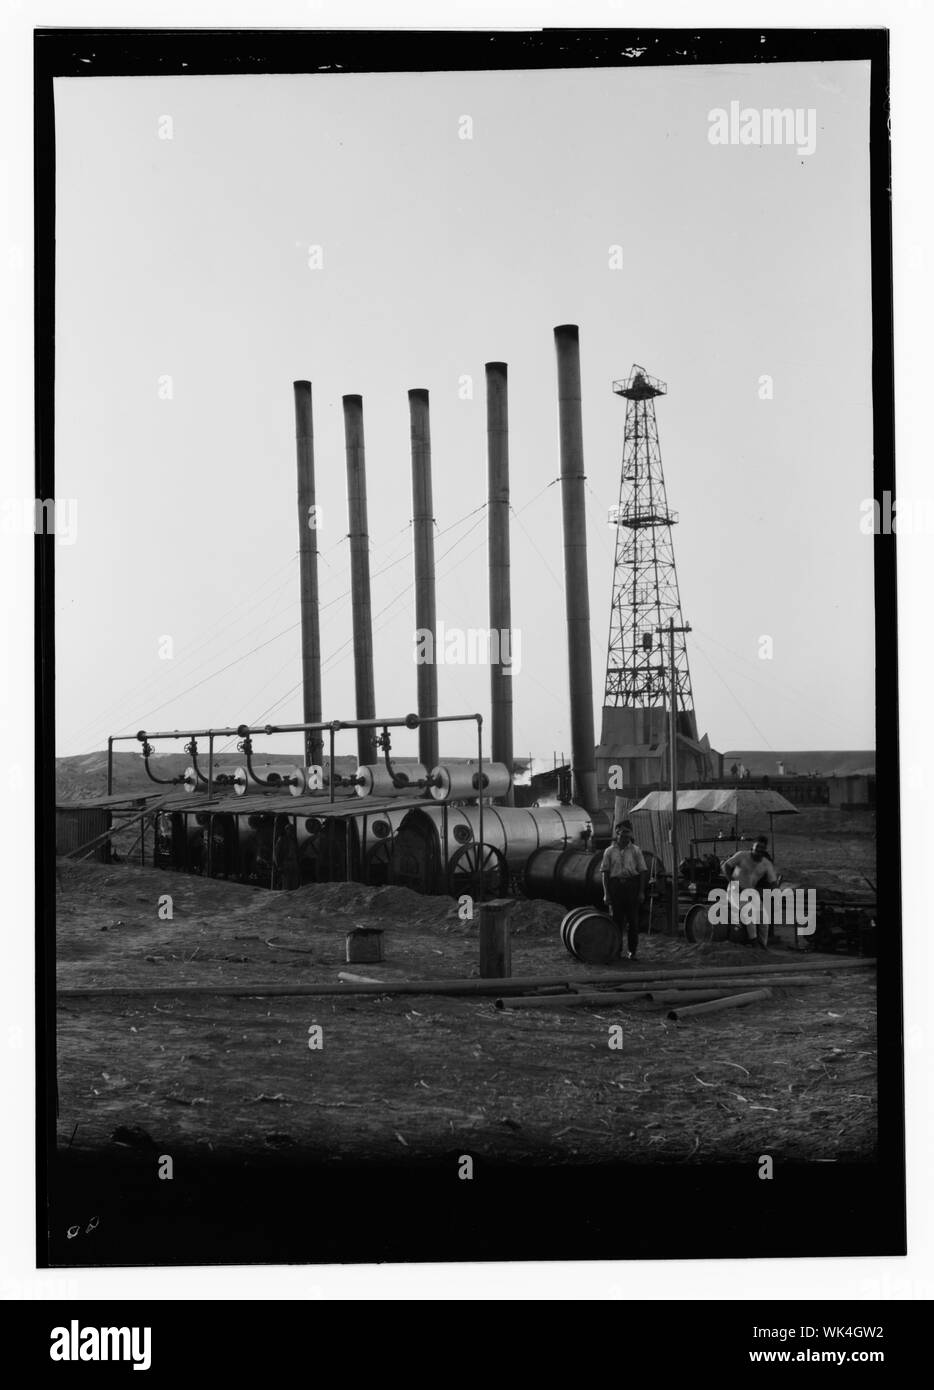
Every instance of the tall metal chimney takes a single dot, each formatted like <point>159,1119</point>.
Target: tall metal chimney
<point>497,433</point>
<point>360,576</point>
<point>308,571</point>
<point>576,594</point>
<point>423,523</point>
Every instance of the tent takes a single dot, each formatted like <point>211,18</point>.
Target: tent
<point>721,801</point>
<point>751,804</point>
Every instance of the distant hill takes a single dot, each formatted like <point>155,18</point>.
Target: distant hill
<point>826,763</point>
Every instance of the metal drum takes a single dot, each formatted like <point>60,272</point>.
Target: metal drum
<point>698,926</point>
<point>592,937</point>
<point>463,782</point>
<point>569,876</point>
<point>373,779</point>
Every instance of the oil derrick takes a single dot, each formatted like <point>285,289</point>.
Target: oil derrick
<point>645,599</point>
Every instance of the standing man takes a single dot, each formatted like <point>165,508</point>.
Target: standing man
<point>624,875</point>
<point>750,869</point>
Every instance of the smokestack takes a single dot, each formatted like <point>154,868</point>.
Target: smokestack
<point>308,572</point>
<point>360,576</point>
<point>497,434</point>
<point>423,523</point>
<point>576,595</point>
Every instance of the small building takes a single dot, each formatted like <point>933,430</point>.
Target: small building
<point>856,793</point>
<point>633,752</point>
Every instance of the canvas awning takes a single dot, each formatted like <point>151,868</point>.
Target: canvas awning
<point>747,802</point>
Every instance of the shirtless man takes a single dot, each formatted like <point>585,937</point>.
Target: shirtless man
<point>751,869</point>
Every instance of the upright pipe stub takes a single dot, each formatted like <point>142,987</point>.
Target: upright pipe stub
<point>360,576</point>
<point>576,590</point>
<point>308,571</point>
<point>497,433</point>
<point>423,526</point>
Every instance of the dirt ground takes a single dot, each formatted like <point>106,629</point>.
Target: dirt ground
<point>414,1077</point>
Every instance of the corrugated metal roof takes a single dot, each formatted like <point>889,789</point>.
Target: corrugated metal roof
<point>98,802</point>
<point>295,805</point>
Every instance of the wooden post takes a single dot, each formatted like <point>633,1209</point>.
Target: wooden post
<point>495,947</point>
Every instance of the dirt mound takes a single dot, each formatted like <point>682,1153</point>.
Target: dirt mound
<point>357,900</point>
<point>398,902</point>
<point>534,916</point>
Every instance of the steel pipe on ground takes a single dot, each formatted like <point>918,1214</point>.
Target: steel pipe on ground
<point>732,1001</point>
<point>684,996</point>
<point>445,986</point>
<point>570,1001</point>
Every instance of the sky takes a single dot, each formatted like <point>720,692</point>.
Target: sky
<point>188,301</point>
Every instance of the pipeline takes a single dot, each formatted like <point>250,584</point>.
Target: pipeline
<point>732,1001</point>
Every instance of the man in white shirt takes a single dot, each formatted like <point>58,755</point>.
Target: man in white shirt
<point>624,873</point>
<point>750,869</point>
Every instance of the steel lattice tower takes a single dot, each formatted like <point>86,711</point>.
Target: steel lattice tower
<point>645,582</point>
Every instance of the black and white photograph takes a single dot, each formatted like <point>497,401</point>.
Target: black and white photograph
<point>467,730</point>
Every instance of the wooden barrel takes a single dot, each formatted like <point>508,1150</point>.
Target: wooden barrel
<point>592,937</point>
<point>567,923</point>
<point>698,926</point>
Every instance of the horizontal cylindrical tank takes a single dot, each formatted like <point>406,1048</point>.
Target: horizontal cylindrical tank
<point>376,840</point>
<point>380,827</point>
<point>374,779</point>
<point>516,831</point>
<point>464,781</point>
<point>571,877</point>
<point>291,779</point>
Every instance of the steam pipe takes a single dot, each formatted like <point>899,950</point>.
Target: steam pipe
<point>497,426</point>
<point>360,575</point>
<point>147,751</point>
<point>308,569</point>
<point>409,721</point>
<point>576,591</point>
<point>246,747</point>
<point>423,523</point>
<point>191,748</point>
